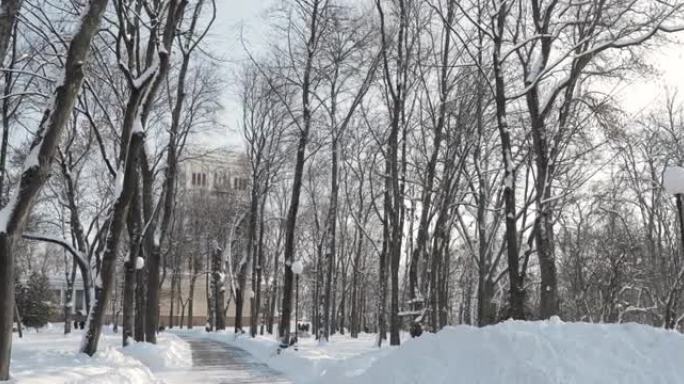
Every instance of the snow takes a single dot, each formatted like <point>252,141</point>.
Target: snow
<point>48,356</point>
<point>32,160</point>
<point>137,125</point>
<point>673,180</point>
<point>514,352</point>
<point>118,183</point>
<point>297,267</point>
<point>139,263</point>
<point>146,75</point>
<point>543,352</point>
<point>341,357</point>
<point>170,352</point>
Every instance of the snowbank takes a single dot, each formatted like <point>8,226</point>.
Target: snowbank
<point>50,357</point>
<point>513,352</point>
<point>549,352</point>
<point>170,352</point>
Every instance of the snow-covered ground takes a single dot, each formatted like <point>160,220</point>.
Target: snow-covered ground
<point>549,352</point>
<point>515,352</point>
<point>50,357</point>
<point>341,357</point>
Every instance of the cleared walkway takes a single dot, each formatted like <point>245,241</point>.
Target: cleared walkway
<point>215,362</point>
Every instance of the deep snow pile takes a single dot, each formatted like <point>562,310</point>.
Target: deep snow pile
<point>50,357</point>
<point>170,352</point>
<point>544,352</point>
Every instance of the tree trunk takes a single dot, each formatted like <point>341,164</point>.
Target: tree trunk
<point>290,226</point>
<point>250,254</point>
<point>218,288</point>
<point>191,300</point>
<point>134,284</point>
<point>17,319</point>
<point>6,112</point>
<point>37,167</point>
<point>393,199</point>
<point>274,291</point>
<point>173,296</point>
<point>147,289</point>
<point>444,292</point>
<point>316,303</point>
<point>382,281</point>
<point>128,299</point>
<point>69,294</point>
<point>175,10</point>
<point>9,10</point>
<point>259,264</point>
<point>103,290</point>
<point>331,235</point>
<point>548,305</point>
<point>182,314</point>
<point>516,291</point>
<point>210,294</point>
<point>77,231</point>
<point>343,303</point>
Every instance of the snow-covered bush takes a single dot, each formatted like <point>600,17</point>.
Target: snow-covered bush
<point>34,300</point>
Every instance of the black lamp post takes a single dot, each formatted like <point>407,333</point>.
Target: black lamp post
<point>296,312</point>
<point>673,180</point>
<point>680,210</point>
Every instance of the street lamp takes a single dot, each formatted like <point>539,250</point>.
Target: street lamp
<point>673,181</point>
<point>297,269</point>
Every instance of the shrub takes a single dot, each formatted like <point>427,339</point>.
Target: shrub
<point>33,300</point>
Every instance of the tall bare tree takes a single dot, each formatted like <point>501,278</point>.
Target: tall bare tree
<point>37,165</point>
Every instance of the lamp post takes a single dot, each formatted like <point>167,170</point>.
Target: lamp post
<point>673,181</point>
<point>680,209</point>
<point>297,269</point>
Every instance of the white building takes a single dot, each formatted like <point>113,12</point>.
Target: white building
<point>59,288</point>
<point>218,171</point>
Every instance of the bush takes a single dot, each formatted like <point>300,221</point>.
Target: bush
<point>33,300</point>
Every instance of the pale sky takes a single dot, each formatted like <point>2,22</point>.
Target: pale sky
<point>233,16</point>
<point>645,93</point>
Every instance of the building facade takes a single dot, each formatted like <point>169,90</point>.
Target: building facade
<point>213,186</point>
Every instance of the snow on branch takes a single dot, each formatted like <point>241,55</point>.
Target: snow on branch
<point>59,241</point>
<point>146,76</point>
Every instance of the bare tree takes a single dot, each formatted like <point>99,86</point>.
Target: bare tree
<point>37,166</point>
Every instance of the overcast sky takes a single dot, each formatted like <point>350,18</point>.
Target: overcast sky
<point>224,41</point>
<point>234,16</point>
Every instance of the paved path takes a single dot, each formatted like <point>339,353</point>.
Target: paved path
<point>219,363</point>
